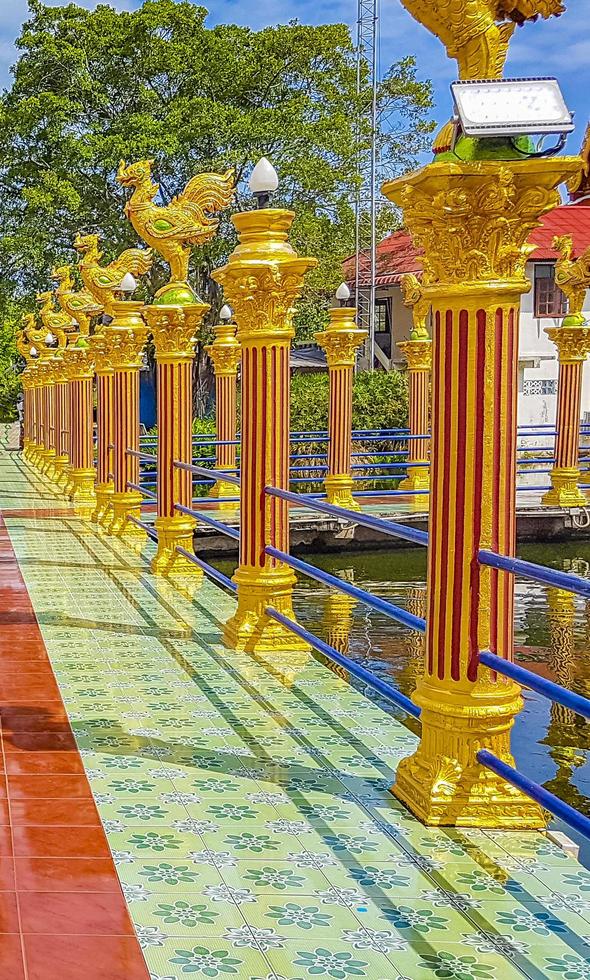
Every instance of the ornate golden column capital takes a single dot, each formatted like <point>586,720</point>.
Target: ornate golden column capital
<point>80,363</point>
<point>341,338</point>
<point>173,330</point>
<point>573,343</point>
<point>418,354</point>
<point>225,351</point>
<point>473,220</point>
<point>125,337</point>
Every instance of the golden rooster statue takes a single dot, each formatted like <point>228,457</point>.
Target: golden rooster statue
<point>573,277</point>
<point>81,305</point>
<point>103,281</point>
<point>172,230</point>
<point>477,32</point>
<point>50,317</point>
<point>413,297</point>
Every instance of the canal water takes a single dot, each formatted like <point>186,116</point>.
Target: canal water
<point>551,744</point>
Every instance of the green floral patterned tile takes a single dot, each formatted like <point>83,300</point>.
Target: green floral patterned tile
<point>299,918</point>
<point>153,814</point>
<point>489,884</point>
<point>272,877</point>
<point>453,961</point>
<point>174,959</point>
<point>330,959</point>
<point>190,914</point>
<point>386,879</point>
<point>573,881</point>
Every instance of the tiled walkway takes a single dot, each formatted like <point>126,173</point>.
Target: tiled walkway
<point>245,800</point>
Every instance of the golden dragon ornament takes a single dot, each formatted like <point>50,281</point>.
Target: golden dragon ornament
<point>477,32</point>
<point>573,277</point>
<point>173,229</point>
<point>103,281</point>
<point>79,304</point>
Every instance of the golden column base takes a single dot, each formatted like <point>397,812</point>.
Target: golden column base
<point>250,628</point>
<point>102,512</point>
<point>418,478</point>
<point>123,506</point>
<point>173,533</point>
<point>60,463</point>
<point>442,783</point>
<point>338,488</point>
<point>224,489</point>
<point>48,467</point>
<point>82,493</point>
<point>565,491</point>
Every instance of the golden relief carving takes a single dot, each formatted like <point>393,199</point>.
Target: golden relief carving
<point>80,364</point>
<point>477,32</point>
<point>473,220</point>
<point>572,275</point>
<point>173,328</point>
<point>225,351</point>
<point>413,297</point>
<point>79,305</point>
<point>190,218</point>
<point>102,282</point>
<point>573,343</point>
<point>418,354</point>
<point>342,338</point>
<point>125,346</point>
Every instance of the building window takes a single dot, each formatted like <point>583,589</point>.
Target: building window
<point>549,299</point>
<point>382,319</point>
<point>545,386</point>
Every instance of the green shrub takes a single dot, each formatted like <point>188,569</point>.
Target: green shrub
<point>379,401</point>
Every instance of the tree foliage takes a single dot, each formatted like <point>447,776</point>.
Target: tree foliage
<point>93,87</point>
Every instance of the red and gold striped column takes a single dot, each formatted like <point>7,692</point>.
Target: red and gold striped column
<point>573,347</point>
<point>340,340</point>
<point>23,345</point>
<point>61,420</point>
<point>418,354</point>
<point>125,338</point>
<point>81,474</point>
<point>225,353</point>
<point>50,441</point>
<point>173,329</point>
<point>105,428</point>
<point>262,280</point>
<point>473,221</point>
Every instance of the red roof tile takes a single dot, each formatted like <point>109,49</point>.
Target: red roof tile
<point>396,254</point>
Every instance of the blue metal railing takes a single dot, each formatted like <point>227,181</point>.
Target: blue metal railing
<point>537,573</point>
<point>527,678</point>
<point>231,532</point>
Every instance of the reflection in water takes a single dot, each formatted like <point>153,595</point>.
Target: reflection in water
<point>552,638</point>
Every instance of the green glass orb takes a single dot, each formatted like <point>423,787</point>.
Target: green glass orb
<point>176,296</point>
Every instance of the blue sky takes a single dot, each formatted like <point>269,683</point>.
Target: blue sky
<point>560,47</point>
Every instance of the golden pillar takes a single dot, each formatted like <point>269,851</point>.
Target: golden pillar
<point>418,354</point>
<point>23,345</point>
<point>573,347</point>
<point>262,280</point>
<point>340,340</point>
<point>105,427</point>
<point>61,420</point>
<point>173,329</point>
<point>81,474</point>
<point>473,221</point>
<point>125,338</point>
<point>225,353</point>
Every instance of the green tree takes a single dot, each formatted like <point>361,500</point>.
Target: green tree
<point>93,87</point>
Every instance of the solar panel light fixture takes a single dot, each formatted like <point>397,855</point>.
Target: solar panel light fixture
<point>511,107</point>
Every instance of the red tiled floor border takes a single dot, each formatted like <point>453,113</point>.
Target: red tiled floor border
<point>62,910</point>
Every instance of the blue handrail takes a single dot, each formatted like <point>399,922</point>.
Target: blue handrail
<point>231,532</point>
<point>550,690</point>
<point>537,573</point>
<point>536,792</point>
<point>208,569</point>
<point>353,668</point>
<point>375,523</point>
<point>210,474</point>
<point>381,605</point>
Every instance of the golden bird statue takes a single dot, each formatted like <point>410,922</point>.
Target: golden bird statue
<point>80,305</point>
<point>52,318</point>
<point>477,32</point>
<point>190,218</point>
<point>103,281</point>
<point>572,276</point>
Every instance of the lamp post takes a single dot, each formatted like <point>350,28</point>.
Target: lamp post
<point>572,340</point>
<point>225,353</point>
<point>340,340</point>
<point>262,280</point>
<point>173,329</point>
<point>124,340</point>
<point>418,353</point>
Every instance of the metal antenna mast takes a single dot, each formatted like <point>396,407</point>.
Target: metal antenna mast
<point>366,205</point>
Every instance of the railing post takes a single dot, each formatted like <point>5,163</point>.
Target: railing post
<point>225,353</point>
<point>418,354</point>
<point>262,280</point>
<point>473,220</point>
<point>125,338</point>
<point>173,329</point>
<point>340,340</point>
<point>572,340</point>
<point>81,471</point>
<point>105,428</point>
